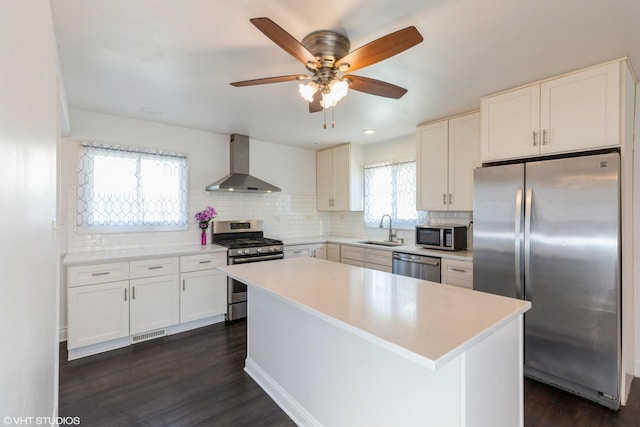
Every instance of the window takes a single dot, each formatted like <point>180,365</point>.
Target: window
<point>390,188</point>
<point>124,188</point>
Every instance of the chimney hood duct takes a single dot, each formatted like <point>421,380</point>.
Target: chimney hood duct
<point>239,178</point>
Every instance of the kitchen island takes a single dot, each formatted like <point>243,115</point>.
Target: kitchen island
<point>335,344</point>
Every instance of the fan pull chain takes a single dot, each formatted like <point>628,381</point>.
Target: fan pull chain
<point>333,123</point>
<point>324,118</point>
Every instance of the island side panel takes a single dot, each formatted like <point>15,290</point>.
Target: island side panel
<point>321,374</point>
<point>493,379</point>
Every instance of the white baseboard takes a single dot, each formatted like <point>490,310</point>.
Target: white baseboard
<point>636,370</point>
<point>284,400</point>
<point>62,334</point>
<point>126,341</point>
<point>184,327</point>
<point>90,350</point>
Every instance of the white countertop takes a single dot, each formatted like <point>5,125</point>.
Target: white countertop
<point>466,255</point>
<point>426,322</point>
<point>77,258</point>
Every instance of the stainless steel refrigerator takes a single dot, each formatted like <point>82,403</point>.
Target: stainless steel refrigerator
<point>548,231</point>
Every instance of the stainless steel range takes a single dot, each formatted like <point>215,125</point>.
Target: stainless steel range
<point>246,243</point>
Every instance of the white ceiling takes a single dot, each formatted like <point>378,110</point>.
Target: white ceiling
<point>172,61</point>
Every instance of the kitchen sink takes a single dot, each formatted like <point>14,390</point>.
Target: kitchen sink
<point>381,243</point>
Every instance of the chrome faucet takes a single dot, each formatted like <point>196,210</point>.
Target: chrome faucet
<point>391,233</point>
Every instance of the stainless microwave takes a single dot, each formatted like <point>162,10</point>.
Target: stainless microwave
<point>446,237</point>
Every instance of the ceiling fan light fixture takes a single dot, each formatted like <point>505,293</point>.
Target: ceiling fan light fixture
<point>337,90</point>
<point>307,91</point>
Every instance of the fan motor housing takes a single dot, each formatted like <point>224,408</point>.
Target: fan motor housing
<point>327,46</point>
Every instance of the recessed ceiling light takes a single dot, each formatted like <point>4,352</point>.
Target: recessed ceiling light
<point>150,111</point>
<point>369,131</point>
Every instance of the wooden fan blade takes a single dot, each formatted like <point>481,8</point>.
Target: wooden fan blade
<point>381,49</point>
<point>267,80</point>
<point>375,87</point>
<point>314,106</point>
<point>285,40</point>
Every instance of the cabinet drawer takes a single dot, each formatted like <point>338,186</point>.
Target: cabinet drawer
<point>98,273</point>
<point>352,253</point>
<point>461,270</point>
<point>352,262</point>
<point>154,267</point>
<point>202,261</point>
<point>460,283</point>
<point>376,256</point>
<point>386,268</point>
<point>297,252</point>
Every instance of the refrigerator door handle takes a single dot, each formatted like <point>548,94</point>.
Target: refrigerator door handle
<point>527,243</point>
<point>517,230</point>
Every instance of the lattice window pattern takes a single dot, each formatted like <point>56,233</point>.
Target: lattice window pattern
<point>130,188</point>
<point>390,188</point>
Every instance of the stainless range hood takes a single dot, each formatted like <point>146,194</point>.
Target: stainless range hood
<point>239,178</point>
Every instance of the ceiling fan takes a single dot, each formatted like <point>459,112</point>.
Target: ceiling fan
<point>326,55</point>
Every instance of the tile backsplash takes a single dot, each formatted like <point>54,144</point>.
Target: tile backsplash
<point>351,224</point>
<point>285,217</point>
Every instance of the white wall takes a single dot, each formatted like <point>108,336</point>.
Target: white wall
<point>636,231</point>
<point>28,139</point>
<point>351,224</point>
<point>290,168</point>
<point>288,214</point>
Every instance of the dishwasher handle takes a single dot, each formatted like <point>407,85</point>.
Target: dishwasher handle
<point>417,259</point>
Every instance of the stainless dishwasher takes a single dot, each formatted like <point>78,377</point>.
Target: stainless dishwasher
<point>418,266</point>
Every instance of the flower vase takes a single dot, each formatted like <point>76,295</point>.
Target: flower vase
<point>203,237</point>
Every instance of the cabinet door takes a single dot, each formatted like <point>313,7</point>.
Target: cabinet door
<point>155,303</point>
<point>581,111</point>
<point>203,294</point>
<point>508,122</point>
<point>333,252</point>
<point>351,253</point>
<point>457,273</point>
<point>341,178</point>
<point>320,252</point>
<point>464,156</point>
<point>431,168</point>
<point>97,313</point>
<point>324,180</point>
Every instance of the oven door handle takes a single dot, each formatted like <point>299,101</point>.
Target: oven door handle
<point>256,259</point>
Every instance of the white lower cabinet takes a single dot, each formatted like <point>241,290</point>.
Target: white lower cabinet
<point>333,252</point>
<point>111,304</point>
<point>97,313</point>
<point>352,255</point>
<point>155,303</point>
<point>378,260</point>
<point>457,273</point>
<point>306,250</point>
<point>203,288</point>
<point>375,259</point>
<point>203,294</point>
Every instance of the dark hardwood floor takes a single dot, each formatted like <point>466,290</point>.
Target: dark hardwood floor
<point>196,378</point>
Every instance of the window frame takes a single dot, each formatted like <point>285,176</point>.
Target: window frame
<point>401,224</point>
<point>139,154</point>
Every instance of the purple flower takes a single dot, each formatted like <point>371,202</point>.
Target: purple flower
<point>206,216</point>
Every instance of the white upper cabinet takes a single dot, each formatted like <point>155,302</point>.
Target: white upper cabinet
<point>339,179</point>
<point>575,112</point>
<point>447,153</point>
